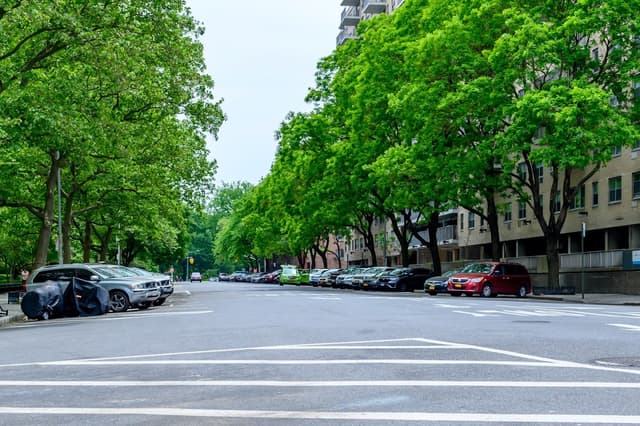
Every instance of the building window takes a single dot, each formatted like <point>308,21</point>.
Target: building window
<point>522,210</point>
<point>615,189</point>
<point>461,221</point>
<point>595,53</point>
<point>635,180</point>
<point>616,151</point>
<point>507,213</point>
<point>472,220</point>
<point>594,194</point>
<point>540,171</point>
<point>522,171</point>
<point>578,200</point>
<point>556,202</point>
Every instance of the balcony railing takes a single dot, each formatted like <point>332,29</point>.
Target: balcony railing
<point>346,34</point>
<point>374,6</point>
<point>574,261</point>
<point>350,17</point>
<point>350,3</point>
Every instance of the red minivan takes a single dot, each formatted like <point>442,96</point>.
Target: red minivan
<point>490,279</point>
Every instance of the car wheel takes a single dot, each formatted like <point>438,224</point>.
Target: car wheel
<point>433,293</point>
<point>118,301</point>
<point>522,291</point>
<point>402,287</point>
<point>487,291</point>
<point>159,301</point>
<point>455,293</point>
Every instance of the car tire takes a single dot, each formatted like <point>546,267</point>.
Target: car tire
<point>403,287</point>
<point>522,291</point>
<point>432,293</point>
<point>159,301</point>
<point>487,291</point>
<point>118,301</point>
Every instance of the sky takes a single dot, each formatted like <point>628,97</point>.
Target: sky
<point>262,56</point>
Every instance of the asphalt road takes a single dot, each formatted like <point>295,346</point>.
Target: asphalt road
<point>261,354</point>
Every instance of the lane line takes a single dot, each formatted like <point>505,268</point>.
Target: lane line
<point>329,415</point>
<point>320,383</point>
<point>302,362</point>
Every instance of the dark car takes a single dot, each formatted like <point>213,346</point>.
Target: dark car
<point>345,278</point>
<point>438,284</point>
<point>405,279</point>
<point>368,278</point>
<point>490,279</point>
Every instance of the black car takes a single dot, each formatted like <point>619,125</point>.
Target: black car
<point>405,279</point>
<point>438,284</point>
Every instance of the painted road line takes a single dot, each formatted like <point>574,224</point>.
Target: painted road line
<point>321,383</point>
<point>300,362</point>
<point>328,415</point>
<point>627,326</point>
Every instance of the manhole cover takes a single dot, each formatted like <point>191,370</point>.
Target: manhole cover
<point>619,362</point>
<point>532,321</point>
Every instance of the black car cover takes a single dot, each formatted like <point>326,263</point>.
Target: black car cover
<point>84,298</point>
<point>43,302</point>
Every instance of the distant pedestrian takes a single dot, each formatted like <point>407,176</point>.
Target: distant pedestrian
<point>24,275</point>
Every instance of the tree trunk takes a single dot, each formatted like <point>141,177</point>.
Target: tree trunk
<point>44,238</point>
<point>432,227</point>
<point>66,230</point>
<point>492,221</point>
<point>553,261</point>
<point>86,242</point>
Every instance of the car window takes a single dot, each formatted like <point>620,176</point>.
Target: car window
<point>478,268</point>
<point>52,275</point>
<point>106,272</point>
<point>83,274</point>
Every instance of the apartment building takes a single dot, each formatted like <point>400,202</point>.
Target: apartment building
<point>355,11</point>
<point>604,219</point>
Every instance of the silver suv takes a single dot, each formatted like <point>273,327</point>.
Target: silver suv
<point>124,291</point>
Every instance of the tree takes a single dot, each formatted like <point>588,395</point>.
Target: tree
<point>575,64</point>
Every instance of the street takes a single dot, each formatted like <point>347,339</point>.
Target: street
<point>228,353</point>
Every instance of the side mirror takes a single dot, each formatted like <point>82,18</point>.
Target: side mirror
<point>94,278</point>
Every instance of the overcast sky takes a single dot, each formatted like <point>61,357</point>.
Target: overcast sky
<point>262,56</point>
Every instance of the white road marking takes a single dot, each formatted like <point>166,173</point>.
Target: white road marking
<point>627,326</point>
<point>474,314</point>
<point>321,383</point>
<point>329,415</point>
<point>303,362</point>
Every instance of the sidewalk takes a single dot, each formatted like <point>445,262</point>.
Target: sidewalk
<point>15,313</point>
<point>593,298</point>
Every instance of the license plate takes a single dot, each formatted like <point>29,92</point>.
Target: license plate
<point>457,285</point>
<point>432,287</point>
<point>366,284</point>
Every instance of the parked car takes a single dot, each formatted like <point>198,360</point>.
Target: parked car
<point>367,279</point>
<point>328,277</point>
<point>490,279</point>
<point>404,279</point>
<point>166,286</point>
<point>345,279</point>
<point>223,276</point>
<point>438,284</point>
<point>270,277</point>
<point>314,276</point>
<point>125,291</point>
<point>292,275</point>
<point>196,276</point>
